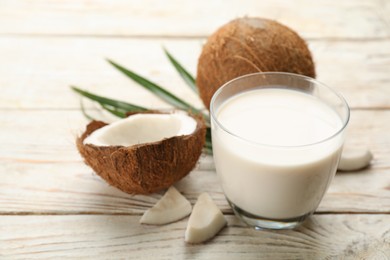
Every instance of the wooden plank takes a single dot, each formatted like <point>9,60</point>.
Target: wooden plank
<point>40,136</point>
<point>48,136</point>
<point>93,236</point>
<point>36,72</point>
<point>319,19</point>
<point>71,188</point>
<point>356,70</point>
<point>40,164</point>
<point>53,206</point>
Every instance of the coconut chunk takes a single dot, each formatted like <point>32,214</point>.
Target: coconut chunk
<point>171,207</point>
<point>354,158</point>
<point>205,221</point>
<point>142,128</point>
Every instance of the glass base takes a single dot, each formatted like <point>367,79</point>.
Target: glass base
<point>266,223</point>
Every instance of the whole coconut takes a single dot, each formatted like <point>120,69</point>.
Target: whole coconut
<point>248,45</point>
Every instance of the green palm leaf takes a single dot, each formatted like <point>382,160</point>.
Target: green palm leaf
<point>156,89</point>
<point>110,102</point>
<point>184,74</point>
<point>120,108</point>
<point>115,111</point>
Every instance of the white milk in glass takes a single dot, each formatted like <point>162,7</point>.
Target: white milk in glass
<point>275,157</point>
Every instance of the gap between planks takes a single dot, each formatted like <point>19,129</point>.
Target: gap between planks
<point>228,213</point>
<point>171,37</point>
<point>321,237</point>
<point>52,109</point>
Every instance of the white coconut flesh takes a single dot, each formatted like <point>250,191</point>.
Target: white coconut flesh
<point>142,128</point>
<point>171,207</point>
<point>205,222</point>
<point>354,158</point>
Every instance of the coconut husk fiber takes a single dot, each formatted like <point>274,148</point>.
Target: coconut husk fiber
<point>249,45</point>
<point>144,168</point>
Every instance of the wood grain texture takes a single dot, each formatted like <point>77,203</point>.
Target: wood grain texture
<point>94,236</point>
<point>42,173</point>
<point>319,19</point>
<point>71,188</point>
<point>53,206</point>
<point>49,136</point>
<point>40,79</point>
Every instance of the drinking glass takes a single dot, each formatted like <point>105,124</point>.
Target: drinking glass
<point>276,186</point>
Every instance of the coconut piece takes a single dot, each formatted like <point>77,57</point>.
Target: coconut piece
<point>144,154</point>
<point>205,221</point>
<point>249,45</point>
<point>170,208</point>
<point>353,159</point>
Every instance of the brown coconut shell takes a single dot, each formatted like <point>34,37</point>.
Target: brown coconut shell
<point>144,168</point>
<point>249,45</point>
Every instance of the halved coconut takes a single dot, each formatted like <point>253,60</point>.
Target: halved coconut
<point>143,153</point>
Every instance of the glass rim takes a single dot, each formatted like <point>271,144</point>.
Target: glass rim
<point>305,78</point>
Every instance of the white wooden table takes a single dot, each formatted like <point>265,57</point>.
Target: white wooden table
<point>53,206</point>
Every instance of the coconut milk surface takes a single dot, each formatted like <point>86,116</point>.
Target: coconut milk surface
<point>271,156</point>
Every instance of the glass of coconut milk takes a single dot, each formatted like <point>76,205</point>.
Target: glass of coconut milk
<point>277,139</point>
